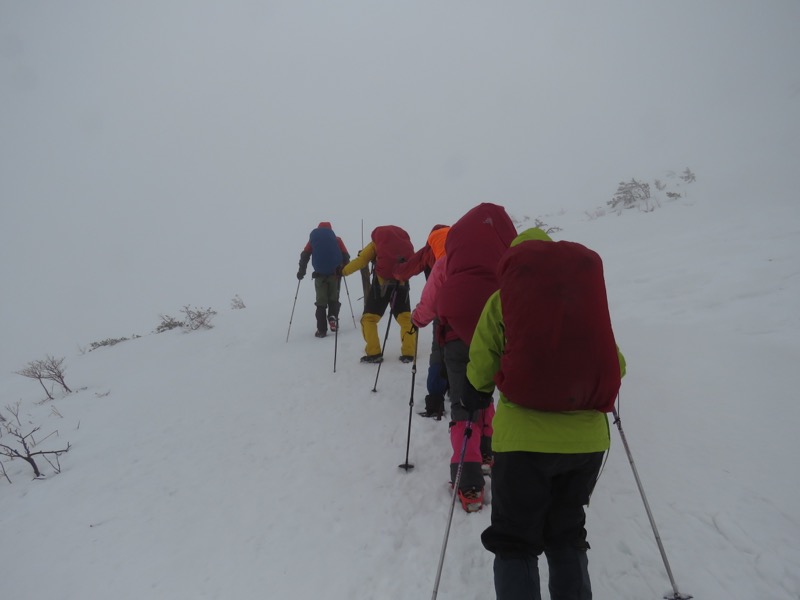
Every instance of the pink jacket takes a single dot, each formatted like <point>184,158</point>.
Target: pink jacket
<point>425,311</point>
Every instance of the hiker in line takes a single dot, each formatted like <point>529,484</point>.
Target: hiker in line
<point>327,253</point>
<point>389,246</point>
<point>545,340</point>
<point>423,261</point>
<point>473,248</point>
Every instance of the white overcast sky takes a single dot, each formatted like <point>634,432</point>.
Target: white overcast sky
<point>221,133</point>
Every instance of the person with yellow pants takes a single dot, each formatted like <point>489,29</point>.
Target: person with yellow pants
<point>389,246</point>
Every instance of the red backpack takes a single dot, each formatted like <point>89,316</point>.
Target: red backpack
<point>560,352</point>
<point>392,247</point>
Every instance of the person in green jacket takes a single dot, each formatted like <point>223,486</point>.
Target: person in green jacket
<point>546,466</point>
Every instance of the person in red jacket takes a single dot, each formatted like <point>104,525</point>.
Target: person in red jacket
<point>389,246</point>
<point>327,254</point>
<point>422,260</point>
<point>474,246</point>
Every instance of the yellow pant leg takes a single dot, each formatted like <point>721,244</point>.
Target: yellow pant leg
<point>369,329</point>
<point>408,341</point>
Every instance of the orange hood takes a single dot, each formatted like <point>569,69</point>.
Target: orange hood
<point>436,240</point>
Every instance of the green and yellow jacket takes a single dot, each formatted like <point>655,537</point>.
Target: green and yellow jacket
<point>523,429</point>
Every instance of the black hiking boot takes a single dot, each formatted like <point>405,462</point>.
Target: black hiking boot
<point>434,406</point>
<point>320,334</point>
<point>372,358</point>
<point>322,321</point>
<point>405,358</point>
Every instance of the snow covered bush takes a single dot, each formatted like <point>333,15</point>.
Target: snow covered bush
<point>237,303</point>
<point>106,342</point>
<point>168,323</point>
<point>630,194</point>
<point>197,318</point>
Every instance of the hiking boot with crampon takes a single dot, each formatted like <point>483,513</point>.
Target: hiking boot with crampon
<point>471,499</point>
<point>372,358</point>
<point>487,461</point>
<point>320,334</point>
<point>333,324</point>
<point>405,358</point>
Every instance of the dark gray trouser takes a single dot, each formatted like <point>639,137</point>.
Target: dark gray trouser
<point>327,300</point>
<point>537,506</point>
<point>326,288</point>
<point>517,577</point>
<point>456,357</point>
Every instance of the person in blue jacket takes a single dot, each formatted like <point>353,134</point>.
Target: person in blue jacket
<point>327,254</point>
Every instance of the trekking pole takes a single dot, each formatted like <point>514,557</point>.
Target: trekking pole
<point>467,435</point>
<point>293,305</point>
<point>350,303</point>
<point>406,464</point>
<point>676,595</point>
<point>335,343</point>
<point>385,337</point>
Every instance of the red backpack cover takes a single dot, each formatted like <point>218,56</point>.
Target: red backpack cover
<point>560,352</point>
<point>392,247</point>
<point>474,246</point>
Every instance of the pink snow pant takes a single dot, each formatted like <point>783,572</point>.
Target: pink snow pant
<point>481,428</point>
<point>456,357</point>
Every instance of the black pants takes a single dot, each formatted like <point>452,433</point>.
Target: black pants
<point>537,506</point>
<point>390,294</point>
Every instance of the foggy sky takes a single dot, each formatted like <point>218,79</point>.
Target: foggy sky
<point>157,154</point>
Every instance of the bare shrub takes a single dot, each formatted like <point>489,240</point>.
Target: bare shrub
<point>55,372</point>
<point>518,221</point>
<point>13,409</point>
<point>688,176</point>
<point>35,370</point>
<point>237,303</point>
<point>168,323</point>
<point>14,443</point>
<point>545,227</point>
<point>49,369</point>
<point>595,213</point>
<point>630,194</point>
<point>197,318</point>
<point>106,342</point>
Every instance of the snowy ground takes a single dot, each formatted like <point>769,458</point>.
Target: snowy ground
<point>155,155</point>
<point>231,462</point>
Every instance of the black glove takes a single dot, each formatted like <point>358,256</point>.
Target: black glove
<point>473,400</point>
<point>339,271</point>
<point>300,275</point>
<point>413,329</point>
